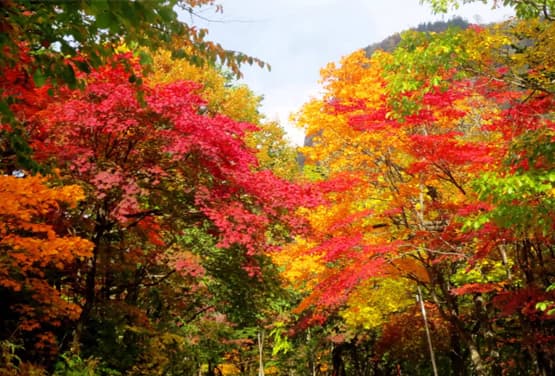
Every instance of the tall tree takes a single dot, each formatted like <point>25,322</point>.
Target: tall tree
<point>156,169</point>
<point>424,136</point>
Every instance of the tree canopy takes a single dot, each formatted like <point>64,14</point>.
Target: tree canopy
<point>152,222</point>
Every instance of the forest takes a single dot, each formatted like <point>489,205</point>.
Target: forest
<point>154,222</point>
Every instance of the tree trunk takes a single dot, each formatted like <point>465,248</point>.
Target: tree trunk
<point>428,336</point>
<point>449,312</point>
<point>476,359</point>
<point>210,370</point>
<point>260,353</point>
<point>89,303</point>
<point>337,361</point>
<point>458,364</point>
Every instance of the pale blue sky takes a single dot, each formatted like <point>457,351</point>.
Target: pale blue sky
<point>299,37</point>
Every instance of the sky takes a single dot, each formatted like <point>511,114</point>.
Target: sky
<point>299,37</point>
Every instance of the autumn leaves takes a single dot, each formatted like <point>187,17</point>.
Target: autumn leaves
<point>445,142</point>
<point>174,226</point>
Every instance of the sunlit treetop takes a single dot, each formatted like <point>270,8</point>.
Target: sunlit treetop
<point>408,126</point>
<point>122,146</point>
<point>222,94</point>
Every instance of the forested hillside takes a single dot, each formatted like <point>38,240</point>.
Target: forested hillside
<point>392,41</point>
<point>152,222</point>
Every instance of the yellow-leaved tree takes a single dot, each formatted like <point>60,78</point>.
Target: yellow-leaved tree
<point>401,140</point>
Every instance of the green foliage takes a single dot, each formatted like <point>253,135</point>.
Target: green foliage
<point>73,365</point>
<point>281,344</point>
<point>523,8</point>
<point>523,202</point>
<point>9,360</point>
<point>420,63</point>
<point>313,172</point>
<point>55,30</point>
<point>390,43</point>
<point>11,363</point>
<point>547,306</point>
<point>483,271</point>
<point>14,144</point>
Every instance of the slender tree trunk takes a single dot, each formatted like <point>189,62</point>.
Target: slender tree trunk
<point>476,358</point>
<point>311,362</point>
<point>478,364</point>
<point>428,336</point>
<point>260,353</point>
<point>89,297</point>
<point>210,369</point>
<point>449,312</point>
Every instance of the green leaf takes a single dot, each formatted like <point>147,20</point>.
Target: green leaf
<point>104,20</point>
<point>180,54</point>
<point>167,14</point>
<point>5,111</point>
<point>99,6</point>
<point>39,78</point>
<point>145,58</point>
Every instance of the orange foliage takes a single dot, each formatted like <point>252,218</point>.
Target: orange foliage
<point>33,253</point>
